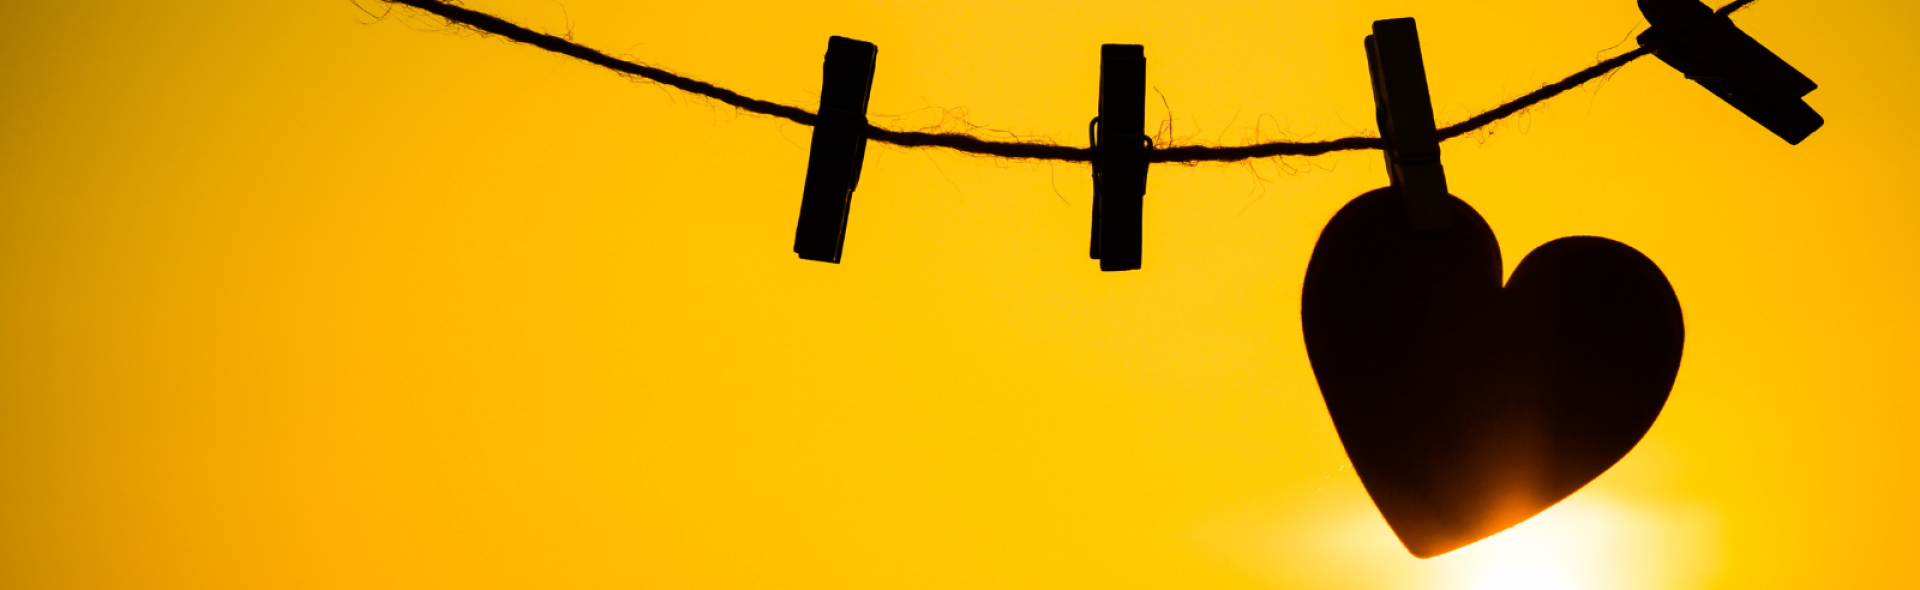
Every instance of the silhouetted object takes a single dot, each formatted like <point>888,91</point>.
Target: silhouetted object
<point>1120,157</point>
<point>1466,407</point>
<point>839,145</point>
<point>1710,50</point>
<point>1405,112</point>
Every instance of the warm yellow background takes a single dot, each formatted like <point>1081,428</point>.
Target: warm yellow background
<point>290,298</point>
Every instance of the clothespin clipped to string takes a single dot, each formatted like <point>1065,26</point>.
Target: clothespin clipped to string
<point>1120,148</point>
<point>1405,113</point>
<point>839,144</point>
<point>1710,50</point>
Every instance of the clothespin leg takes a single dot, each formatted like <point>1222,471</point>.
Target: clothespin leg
<point>839,145</point>
<point>1405,113</point>
<point>1708,49</point>
<point>1120,162</point>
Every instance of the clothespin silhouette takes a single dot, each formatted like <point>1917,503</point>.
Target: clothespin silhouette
<point>1405,113</point>
<point>839,144</point>
<point>1708,49</point>
<point>1120,157</point>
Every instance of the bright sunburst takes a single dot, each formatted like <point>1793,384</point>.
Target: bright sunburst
<point>1586,543</point>
<point>1570,547</point>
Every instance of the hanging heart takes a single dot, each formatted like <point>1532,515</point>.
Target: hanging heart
<point>1467,407</point>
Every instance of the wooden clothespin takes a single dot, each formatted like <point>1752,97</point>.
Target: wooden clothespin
<point>1709,50</point>
<point>839,144</point>
<point>1405,113</point>
<point>1120,148</point>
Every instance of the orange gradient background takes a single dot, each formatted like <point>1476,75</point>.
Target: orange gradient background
<point>295,297</point>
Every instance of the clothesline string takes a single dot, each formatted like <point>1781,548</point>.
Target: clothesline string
<point>1023,150</point>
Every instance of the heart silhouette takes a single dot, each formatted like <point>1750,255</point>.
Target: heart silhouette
<point>1467,407</point>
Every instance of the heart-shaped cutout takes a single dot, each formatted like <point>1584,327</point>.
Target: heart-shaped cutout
<point>1466,407</point>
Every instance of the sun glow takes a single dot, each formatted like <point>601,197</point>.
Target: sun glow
<point>1596,540</point>
<point>1570,547</point>
<point>1587,543</point>
<point>1629,530</point>
<point>1524,576</point>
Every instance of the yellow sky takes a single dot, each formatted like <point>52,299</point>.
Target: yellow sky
<point>292,298</point>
